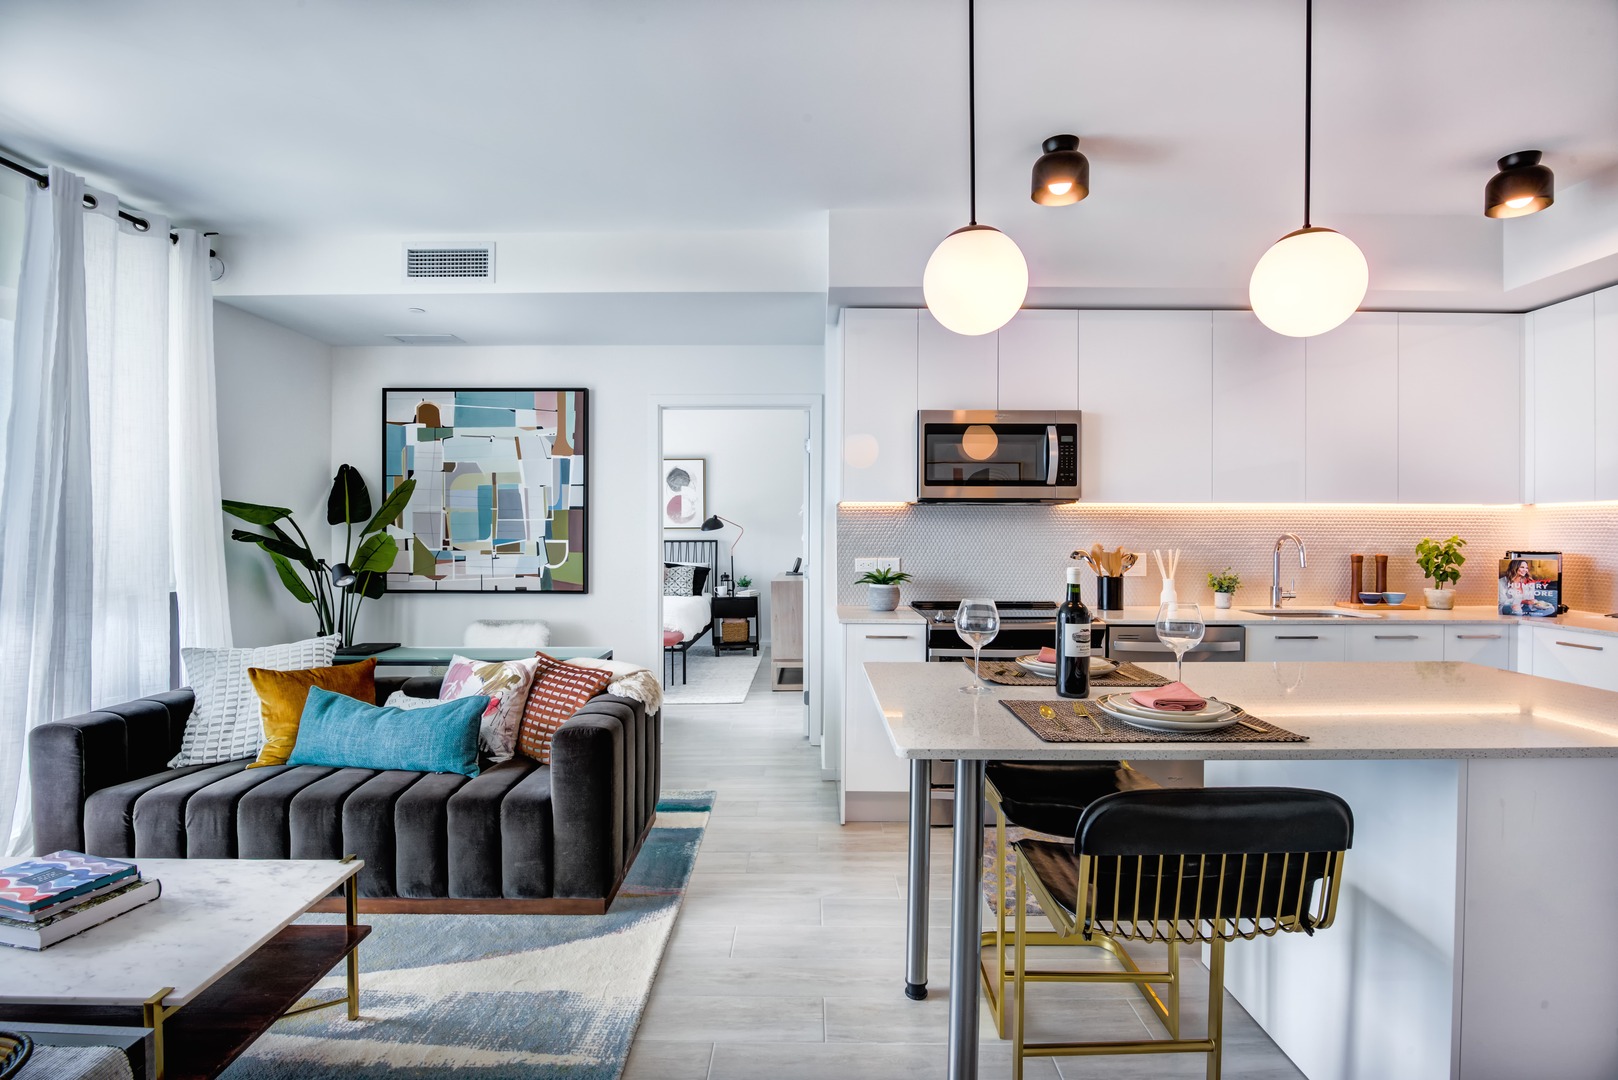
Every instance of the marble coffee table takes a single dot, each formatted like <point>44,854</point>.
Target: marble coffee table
<point>208,966</point>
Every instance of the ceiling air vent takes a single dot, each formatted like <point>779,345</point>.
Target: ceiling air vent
<point>461,262</point>
<point>425,339</point>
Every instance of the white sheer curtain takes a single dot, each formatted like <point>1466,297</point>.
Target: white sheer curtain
<point>109,480</point>
<point>126,288</point>
<point>199,537</point>
<point>46,521</point>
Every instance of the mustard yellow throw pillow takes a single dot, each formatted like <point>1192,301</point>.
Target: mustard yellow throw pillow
<point>281,696</point>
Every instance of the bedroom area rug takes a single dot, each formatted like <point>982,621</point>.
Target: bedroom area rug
<point>504,997</point>
<point>712,680</point>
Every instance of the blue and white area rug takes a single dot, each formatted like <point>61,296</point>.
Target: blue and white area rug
<point>513,997</point>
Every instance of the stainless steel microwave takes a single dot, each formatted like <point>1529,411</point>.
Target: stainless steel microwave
<point>1009,456</point>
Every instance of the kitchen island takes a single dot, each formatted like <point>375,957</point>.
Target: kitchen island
<point>1473,938</point>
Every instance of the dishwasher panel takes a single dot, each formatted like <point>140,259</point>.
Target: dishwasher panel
<point>1220,645</point>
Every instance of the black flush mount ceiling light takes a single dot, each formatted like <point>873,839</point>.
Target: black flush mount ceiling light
<point>1522,186</point>
<point>1062,174</point>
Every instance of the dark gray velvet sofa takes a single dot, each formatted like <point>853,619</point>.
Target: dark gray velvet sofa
<point>519,837</point>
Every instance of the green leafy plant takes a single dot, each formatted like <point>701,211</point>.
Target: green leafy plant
<point>885,576</point>
<point>1226,580</point>
<point>1441,562</point>
<point>744,582</point>
<point>337,606</point>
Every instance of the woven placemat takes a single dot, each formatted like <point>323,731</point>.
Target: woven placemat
<point>1007,673</point>
<point>1078,721</point>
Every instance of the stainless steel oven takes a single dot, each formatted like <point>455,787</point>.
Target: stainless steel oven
<point>1009,456</point>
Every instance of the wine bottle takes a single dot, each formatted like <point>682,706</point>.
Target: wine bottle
<point>1073,641</point>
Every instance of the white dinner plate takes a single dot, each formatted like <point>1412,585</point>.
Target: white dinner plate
<point>1159,723</point>
<point>1098,666</point>
<point>1121,706</point>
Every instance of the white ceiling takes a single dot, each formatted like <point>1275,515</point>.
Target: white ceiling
<point>506,116</point>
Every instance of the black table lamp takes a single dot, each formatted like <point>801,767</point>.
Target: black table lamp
<point>715,523</point>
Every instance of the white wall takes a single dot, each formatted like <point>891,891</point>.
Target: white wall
<point>622,608</point>
<point>274,387</point>
<point>755,476</point>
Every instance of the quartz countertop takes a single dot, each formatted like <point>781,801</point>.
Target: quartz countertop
<point>1347,710</point>
<point>1469,615</point>
<point>854,615</point>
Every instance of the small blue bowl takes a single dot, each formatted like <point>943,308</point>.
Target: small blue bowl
<point>1370,598</point>
<point>1394,597</point>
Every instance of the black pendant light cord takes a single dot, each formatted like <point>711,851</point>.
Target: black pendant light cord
<point>972,105</point>
<point>1308,100</point>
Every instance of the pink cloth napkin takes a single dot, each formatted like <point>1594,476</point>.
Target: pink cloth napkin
<point>1175,697</point>
<point>1047,655</point>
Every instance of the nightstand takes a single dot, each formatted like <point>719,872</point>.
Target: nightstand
<point>736,607</point>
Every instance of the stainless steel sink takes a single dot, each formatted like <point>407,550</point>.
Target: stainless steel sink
<point>1305,613</point>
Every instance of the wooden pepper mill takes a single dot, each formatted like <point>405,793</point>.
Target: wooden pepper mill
<point>1356,577</point>
<point>1381,573</point>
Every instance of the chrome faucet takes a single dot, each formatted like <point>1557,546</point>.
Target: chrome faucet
<point>1277,594</point>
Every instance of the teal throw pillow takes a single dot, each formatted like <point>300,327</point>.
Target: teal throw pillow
<point>347,733</point>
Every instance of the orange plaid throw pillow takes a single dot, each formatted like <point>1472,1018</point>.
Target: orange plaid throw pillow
<point>556,694</point>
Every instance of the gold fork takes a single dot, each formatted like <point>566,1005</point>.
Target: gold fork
<point>1080,710</point>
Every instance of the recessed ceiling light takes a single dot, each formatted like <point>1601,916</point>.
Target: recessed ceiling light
<point>416,310</point>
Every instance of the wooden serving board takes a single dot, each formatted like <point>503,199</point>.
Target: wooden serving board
<point>1406,606</point>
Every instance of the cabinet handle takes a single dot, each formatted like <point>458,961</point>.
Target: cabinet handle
<point>1297,637</point>
<point>1477,637</point>
<point>887,637</point>
<point>1576,645</point>
<point>1396,637</point>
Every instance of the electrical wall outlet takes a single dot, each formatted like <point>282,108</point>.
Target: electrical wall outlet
<point>885,562</point>
<point>1142,561</point>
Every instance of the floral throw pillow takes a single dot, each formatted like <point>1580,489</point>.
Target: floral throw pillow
<point>505,684</point>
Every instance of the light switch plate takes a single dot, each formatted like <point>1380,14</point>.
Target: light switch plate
<point>1142,561</point>
<point>884,562</point>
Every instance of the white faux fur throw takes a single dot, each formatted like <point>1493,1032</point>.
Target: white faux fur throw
<point>630,681</point>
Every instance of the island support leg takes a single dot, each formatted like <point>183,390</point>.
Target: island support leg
<point>921,812</point>
<point>966,910</point>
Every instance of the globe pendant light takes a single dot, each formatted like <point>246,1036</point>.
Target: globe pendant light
<point>977,277</point>
<point>1310,280</point>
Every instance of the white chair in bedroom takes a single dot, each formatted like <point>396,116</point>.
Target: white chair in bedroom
<point>507,634</point>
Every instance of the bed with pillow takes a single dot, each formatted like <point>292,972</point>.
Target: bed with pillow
<point>688,580</point>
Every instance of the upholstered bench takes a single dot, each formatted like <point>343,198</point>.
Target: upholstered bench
<point>520,836</point>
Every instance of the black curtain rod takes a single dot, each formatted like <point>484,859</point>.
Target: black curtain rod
<point>44,181</point>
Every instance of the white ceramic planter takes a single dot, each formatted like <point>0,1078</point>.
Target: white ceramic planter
<point>882,597</point>
<point>1440,599</point>
<point>1222,599</point>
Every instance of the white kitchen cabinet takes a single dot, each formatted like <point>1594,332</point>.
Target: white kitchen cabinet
<point>1038,362</point>
<point>953,371</point>
<point>879,405</point>
<point>1605,311</point>
<point>1271,643</point>
<point>1351,411</point>
<point>869,763</point>
<point>1145,385</point>
<point>1562,386</point>
<point>1489,646</point>
<point>1258,411</point>
<point>1575,656</point>
<point>1460,419</point>
<point>1394,642</point>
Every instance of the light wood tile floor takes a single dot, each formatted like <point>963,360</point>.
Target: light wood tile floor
<point>787,960</point>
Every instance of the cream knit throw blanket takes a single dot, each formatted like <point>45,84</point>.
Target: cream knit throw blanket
<point>630,681</point>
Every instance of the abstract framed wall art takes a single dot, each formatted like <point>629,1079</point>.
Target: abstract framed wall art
<point>502,494</point>
<point>685,492</point>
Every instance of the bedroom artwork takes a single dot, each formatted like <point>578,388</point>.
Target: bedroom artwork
<point>501,499</point>
<point>685,491</point>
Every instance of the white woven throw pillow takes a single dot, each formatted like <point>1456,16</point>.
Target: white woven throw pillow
<point>226,723</point>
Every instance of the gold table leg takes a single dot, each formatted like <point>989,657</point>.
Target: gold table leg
<point>152,1015</point>
<point>352,910</point>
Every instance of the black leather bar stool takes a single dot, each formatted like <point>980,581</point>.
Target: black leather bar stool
<point>1182,866</point>
<point>1048,797</point>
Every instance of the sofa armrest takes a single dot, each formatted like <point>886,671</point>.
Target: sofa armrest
<point>68,761</point>
<point>588,755</point>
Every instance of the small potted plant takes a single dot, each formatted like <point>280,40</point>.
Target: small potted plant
<point>882,588</point>
<point>1224,585</point>
<point>1442,563</point>
<point>743,582</point>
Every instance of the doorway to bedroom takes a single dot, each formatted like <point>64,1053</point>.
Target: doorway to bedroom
<point>735,512</point>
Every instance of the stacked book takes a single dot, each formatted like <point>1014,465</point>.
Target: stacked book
<point>64,893</point>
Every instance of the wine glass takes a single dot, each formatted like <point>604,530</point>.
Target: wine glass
<point>1180,627</point>
<point>977,621</point>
